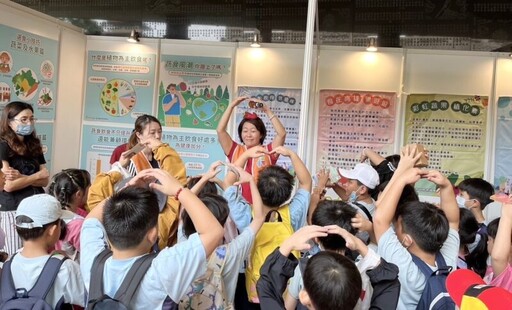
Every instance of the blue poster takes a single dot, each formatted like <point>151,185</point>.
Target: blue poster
<point>119,86</point>
<point>285,104</point>
<point>98,142</point>
<point>197,150</point>
<point>28,71</point>
<point>44,132</point>
<point>502,160</point>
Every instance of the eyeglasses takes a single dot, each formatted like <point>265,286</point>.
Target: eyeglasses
<point>26,120</point>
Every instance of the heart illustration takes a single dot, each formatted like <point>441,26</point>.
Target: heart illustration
<point>204,110</point>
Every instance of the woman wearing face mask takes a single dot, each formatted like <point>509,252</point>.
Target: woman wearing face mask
<point>23,164</point>
<point>155,154</point>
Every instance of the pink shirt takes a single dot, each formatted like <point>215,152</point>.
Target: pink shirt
<point>503,280</point>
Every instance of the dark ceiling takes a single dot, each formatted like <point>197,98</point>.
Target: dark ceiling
<point>473,19</point>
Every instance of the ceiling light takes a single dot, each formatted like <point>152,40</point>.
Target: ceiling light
<point>255,41</point>
<point>372,46</point>
<point>134,36</point>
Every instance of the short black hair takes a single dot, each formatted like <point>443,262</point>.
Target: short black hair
<point>27,234</point>
<point>67,182</point>
<point>275,185</point>
<point>217,205</point>
<point>492,228</point>
<point>258,123</point>
<point>332,281</point>
<point>128,216</point>
<point>209,187</point>
<point>426,224</point>
<point>478,189</point>
<point>334,212</point>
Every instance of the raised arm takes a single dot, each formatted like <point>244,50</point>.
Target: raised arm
<point>224,138</point>
<point>276,123</point>
<point>318,192</point>
<point>501,249</point>
<point>448,201</point>
<point>373,156</point>
<point>387,204</point>
<point>209,175</point>
<point>208,228</point>
<point>301,171</point>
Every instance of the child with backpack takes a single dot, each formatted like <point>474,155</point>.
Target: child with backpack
<point>338,215</point>
<point>424,242</point>
<point>216,289</point>
<point>128,220</point>
<point>500,250</point>
<point>33,276</point>
<point>275,186</point>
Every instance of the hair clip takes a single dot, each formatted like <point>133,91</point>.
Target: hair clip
<point>251,115</point>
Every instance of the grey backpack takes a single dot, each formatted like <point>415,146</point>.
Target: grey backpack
<point>20,298</point>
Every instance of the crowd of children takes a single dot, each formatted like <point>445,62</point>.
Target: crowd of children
<point>142,236</point>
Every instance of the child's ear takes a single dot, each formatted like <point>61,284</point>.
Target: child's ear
<point>305,300</point>
<point>152,235</point>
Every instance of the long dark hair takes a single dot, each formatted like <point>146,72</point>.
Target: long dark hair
<point>140,123</point>
<point>31,145</point>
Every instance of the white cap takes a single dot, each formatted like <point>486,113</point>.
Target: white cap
<point>362,172</point>
<point>42,209</point>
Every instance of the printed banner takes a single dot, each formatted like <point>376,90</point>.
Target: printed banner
<point>193,91</point>
<point>285,104</point>
<point>98,142</point>
<point>119,86</point>
<point>28,71</point>
<point>197,150</point>
<point>502,158</point>
<point>452,129</point>
<point>349,122</point>
<point>44,132</point>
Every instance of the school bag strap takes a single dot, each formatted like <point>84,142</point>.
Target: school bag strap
<point>133,279</point>
<point>96,283</point>
<point>269,215</point>
<point>364,209</point>
<point>42,286</point>
<point>442,268</point>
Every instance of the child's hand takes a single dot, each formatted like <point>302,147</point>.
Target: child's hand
<point>407,158</point>
<point>363,157</point>
<point>299,240</point>
<point>281,150</point>
<point>438,178</point>
<point>242,176</point>
<point>360,223</point>
<point>323,177</point>
<point>353,243</point>
<point>168,184</point>
<point>213,171</point>
<point>412,175</point>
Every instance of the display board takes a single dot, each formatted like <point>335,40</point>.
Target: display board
<point>28,71</point>
<point>453,130</point>
<point>349,122</point>
<point>502,158</point>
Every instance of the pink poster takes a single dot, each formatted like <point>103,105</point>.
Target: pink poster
<point>350,121</point>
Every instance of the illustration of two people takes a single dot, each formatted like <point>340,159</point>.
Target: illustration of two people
<point>172,103</point>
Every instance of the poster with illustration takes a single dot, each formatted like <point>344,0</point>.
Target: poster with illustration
<point>44,131</point>
<point>119,86</point>
<point>351,121</point>
<point>453,130</point>
<point>28,71</point>
<point>193,91</point>
<point>502,159</point>
<point>285,104</point>
<point>197,150</point>
<point>98,142</point>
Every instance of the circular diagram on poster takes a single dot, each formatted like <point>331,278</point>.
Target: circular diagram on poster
<point>5,62</point>
<point>45,97</point>
<point>47,70</point>
<point>118,97</point>
<point>5,93</point>
<point>25,84</point>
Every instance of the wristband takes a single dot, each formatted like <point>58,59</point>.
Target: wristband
<point>177,195</point>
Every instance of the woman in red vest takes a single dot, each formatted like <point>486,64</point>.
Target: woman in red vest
<point>252,132</point>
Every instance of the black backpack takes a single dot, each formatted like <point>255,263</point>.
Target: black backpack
<point>122,300</point>
<point>20,298</point>
<point>435,295</point>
